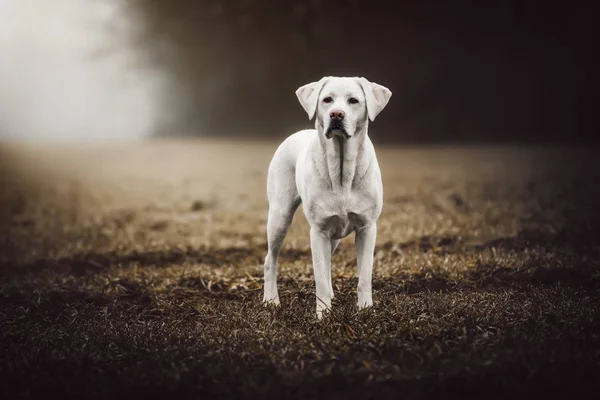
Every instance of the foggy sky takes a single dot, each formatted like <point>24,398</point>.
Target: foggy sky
<point>64,74</point>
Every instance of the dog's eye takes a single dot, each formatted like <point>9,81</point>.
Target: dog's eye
<point>327,100</point>
<point>352,100</point>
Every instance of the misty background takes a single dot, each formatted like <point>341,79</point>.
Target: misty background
<point>473,71</point>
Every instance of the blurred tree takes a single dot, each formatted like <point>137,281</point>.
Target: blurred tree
<point>235,64</point>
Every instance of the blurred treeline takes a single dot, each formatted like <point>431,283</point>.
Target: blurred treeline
<point>458,70</point>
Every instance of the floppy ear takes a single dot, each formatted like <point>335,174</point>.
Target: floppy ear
<point>377,97</point>
<point>308,95</point>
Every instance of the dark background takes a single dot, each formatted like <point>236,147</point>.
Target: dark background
<point>461,70</point>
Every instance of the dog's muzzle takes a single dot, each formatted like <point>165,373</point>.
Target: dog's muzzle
<point>336,128</point>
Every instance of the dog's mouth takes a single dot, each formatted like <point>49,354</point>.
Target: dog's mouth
<point>336,129</point>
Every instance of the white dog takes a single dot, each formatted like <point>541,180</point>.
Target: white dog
<point>333,170</point>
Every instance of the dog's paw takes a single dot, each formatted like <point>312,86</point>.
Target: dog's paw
<point>270,294</point>
<point>365,301</point>
<point>322,311</point>
<point>274,301</point>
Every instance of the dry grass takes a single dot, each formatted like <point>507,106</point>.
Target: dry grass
<point>136,270</point>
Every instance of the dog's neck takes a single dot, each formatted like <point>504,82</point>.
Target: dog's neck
<point>341,161</point>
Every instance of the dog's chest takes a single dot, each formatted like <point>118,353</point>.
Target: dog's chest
<point>339,215</point>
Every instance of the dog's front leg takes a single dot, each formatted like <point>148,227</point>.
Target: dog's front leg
<point>320,245</point>
<point>365,248</point>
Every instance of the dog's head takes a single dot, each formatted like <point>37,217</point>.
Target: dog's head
<point>343,105</point>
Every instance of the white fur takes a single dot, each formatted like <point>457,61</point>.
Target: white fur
<point>337,179</point>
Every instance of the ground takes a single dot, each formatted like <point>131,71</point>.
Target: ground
<point>135,269</point>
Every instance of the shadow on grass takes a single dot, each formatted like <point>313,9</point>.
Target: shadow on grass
<point>486,277</point>
<point>233,376</point>
<point>576,236</point>
<point>577,239</point>
<point>583,236</point>
<point>82,264</point>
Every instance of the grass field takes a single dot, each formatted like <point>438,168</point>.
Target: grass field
<point>135,270</point>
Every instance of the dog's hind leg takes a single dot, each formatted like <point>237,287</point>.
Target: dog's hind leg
<point>283,202</point>
<point>277,226</point>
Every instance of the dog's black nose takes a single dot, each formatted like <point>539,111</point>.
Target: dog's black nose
<point>337,115</point>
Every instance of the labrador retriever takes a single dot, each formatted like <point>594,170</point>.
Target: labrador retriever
<point>333,171</point>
